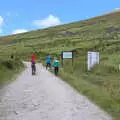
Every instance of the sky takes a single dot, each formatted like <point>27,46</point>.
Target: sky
<point>17,16</point>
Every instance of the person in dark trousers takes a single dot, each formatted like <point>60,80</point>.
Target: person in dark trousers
<point>33,66</point>
<point>33,62</point>
<point>56,65</point>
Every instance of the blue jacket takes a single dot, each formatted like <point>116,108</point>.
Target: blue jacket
<point>48,59</point>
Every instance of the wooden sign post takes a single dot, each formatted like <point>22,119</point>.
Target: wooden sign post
<point>66,55</point>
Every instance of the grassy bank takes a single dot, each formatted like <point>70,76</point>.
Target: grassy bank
<point>101,85</point>
<point>9,69</point>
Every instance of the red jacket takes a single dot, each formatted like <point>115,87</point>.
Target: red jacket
<point>33,57</point>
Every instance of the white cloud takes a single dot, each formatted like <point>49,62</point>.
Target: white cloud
<point>117,8</point>
<point>17,31</point>
<point>47,22</point>
<point>1,21</point>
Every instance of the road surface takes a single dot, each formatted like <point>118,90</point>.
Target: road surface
<point>45,97</point>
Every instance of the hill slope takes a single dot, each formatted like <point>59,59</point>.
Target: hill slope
<point>101,33</point>
<point>99,30</point>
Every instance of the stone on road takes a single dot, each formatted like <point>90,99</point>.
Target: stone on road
<point>45,97</point>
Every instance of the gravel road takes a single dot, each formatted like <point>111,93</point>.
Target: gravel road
<point>45,97</point>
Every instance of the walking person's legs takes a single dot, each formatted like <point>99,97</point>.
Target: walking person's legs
<point>33,69</point>
<point>56,70</point>
<point>46,66</point>
<point>50,65</point>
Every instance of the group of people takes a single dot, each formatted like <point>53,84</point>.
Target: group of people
<point>55,64</point>
<point>49,64</point>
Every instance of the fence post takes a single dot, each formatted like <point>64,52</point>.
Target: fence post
<point>119,66</point>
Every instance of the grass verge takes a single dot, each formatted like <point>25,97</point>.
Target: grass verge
<point>96,87</point>
<point>9,69</point>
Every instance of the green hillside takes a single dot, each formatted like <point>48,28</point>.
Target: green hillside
<point>102,33</point>
<point>87,34</point>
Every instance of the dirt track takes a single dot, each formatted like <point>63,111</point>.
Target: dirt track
<point>45,97</point>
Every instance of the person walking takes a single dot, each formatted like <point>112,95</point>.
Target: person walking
<point>33,62</point>
<point>48,61</point>
<point>56,65</point>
